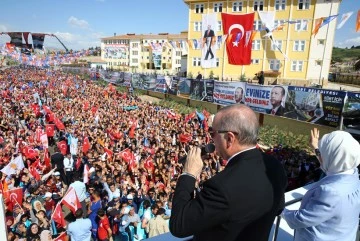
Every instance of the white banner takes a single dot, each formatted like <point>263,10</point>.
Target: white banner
<point>208,57</point>
<point>266,99</point>
<point>226,93</point>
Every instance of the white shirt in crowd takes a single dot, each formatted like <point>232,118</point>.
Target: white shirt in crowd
<point>80,190</point>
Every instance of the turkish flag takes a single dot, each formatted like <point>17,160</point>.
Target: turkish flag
<point>71,200</point>
<point>29,152</point>
<point>190,117</point>
<point>86,145</point>
<point>149,164</point>
<point>86,174</point>
<point>36,108</point>
<point>86,105</point>
<point>38,133</point>
<point>184,138</point>
<point>61,237</point>
<point>14,195</point>
<point>206,113</point>
<point>239,29</point>
<point>58,216</point>
<point>47,158</point>
<point>126,155</point>
<point>50,117</point>
<point>62,147</point>
<point>59,124</point>
<point>109,153</point>
<point>47,109</point>
<point>50,129</point>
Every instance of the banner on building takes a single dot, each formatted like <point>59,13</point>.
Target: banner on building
<point>161,84</point>
<point>127,79</point>
<point>318,106</point>
<point>115,51</point>
<point>38,40</point>
<point>16,38</point>
<point>228,93</point>
<point>156,54</point>
<point>202,90</point>
<point>209,25</point>
<point>239,29</point>
<point>183,86</point>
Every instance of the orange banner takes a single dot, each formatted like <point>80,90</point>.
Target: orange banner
<point>357,28</point>
<point>318,23</point>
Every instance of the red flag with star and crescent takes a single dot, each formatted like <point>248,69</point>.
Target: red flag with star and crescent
<point>62,145</point>
<point>239,29</point>
<point>71,200</point>
<point>58,216</point>
<point>14,195</point>
<point>50,129</point>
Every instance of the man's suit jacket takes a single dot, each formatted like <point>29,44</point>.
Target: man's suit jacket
<point>280,111</point>
<point>329,210</point>
<point>239,203</point>
<point>208,34</point>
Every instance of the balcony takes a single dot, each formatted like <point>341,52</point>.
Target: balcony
<point>280,231</point>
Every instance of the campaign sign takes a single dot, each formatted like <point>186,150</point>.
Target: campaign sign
<point>228,93</point>
<point>320,106</point>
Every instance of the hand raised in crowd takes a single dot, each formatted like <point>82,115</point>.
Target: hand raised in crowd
<point>314,138</point>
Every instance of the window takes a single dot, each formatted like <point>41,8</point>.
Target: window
<point>218,7</point>
<point>301,25</point>
<point>297,65</point>
<point>178,61</point>
<point>321,41</point>
<point>303,4</point>
<point>258,5</point>
<point>257,25</point>
<point>277,43</point>
<point>135,52</point>
<point>197,26</point>
<point>217,62</point>
<point>237,6</point>
<point>196,61</point>
<point>318,62</point>
<point>199,8</point>
<point>178,53</point>
<point>274,64</point>
<point>219,26</point>
<point>299,45</point>
<point>134,61</point>
<point>279,25</point>
<point>256,45</point>
<point>255,61</point>
<point>280,5</point>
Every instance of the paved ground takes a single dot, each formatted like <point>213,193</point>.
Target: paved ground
<point>336,86</point>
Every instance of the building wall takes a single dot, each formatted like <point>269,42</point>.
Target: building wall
<point>289,36</point>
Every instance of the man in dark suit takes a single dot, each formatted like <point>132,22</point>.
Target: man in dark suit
<point>57,160</point>
<point>209,40</point>
<point>240,202</point>
<point>276,98</point>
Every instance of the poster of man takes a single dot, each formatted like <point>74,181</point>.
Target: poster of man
<point>208,58</point>
<point>277,100</point>
<point>239,95</point>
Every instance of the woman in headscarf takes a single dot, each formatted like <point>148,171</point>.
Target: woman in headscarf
<point>330,209</point>
<point>33,232</point>
<point>45,235</point>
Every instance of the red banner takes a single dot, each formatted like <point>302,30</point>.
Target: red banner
<point>239,29</point>
<point>62,147</point>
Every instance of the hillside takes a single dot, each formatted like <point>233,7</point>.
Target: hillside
<point>347,54</point>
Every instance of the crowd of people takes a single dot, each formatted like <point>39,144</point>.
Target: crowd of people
<point>60,135</point>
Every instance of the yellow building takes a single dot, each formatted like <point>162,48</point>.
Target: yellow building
<point>134,52</point>
<point>308,56</point>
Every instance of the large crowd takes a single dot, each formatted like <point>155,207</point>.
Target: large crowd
<point>121,156</point>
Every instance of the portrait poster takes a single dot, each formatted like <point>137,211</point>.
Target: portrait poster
<point>208,41</point>
<point>156,54</point>
<point>266,99</point>
<point>228,93</point>
<point>320,106</point>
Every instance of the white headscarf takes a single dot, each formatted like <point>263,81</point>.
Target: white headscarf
<point>339,151</point>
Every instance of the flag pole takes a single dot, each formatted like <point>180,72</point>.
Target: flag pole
<point>223,59</point>
<point>322,63</point>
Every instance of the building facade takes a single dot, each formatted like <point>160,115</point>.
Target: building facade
<point>144,52</point>
<point>308,56</point>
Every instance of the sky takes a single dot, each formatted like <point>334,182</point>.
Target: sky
<point>81,23</point>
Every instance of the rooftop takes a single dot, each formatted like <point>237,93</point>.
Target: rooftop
<point>181,35</point>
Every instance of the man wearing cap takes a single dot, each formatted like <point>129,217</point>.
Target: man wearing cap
<point>130,200</point>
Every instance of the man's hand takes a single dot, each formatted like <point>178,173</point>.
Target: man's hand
<point>194,163</point>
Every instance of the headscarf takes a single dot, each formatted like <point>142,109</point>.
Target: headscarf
<point>44,236</point>
<point>339,151</point>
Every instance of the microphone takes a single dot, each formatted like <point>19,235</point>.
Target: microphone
<point>209,148</point>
